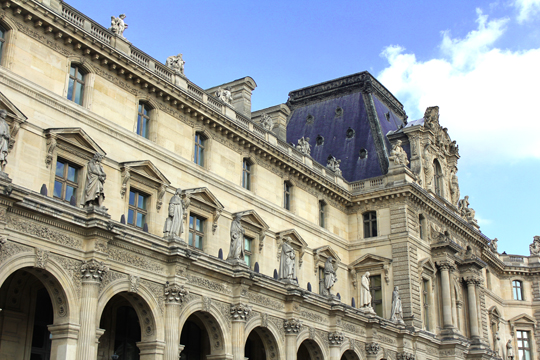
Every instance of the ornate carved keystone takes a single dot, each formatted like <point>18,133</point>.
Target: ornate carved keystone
<point>335,338</point>
<point>373,348</point>
<point>292,326</point>
<point>93,270</point>
<point>240,311</point>
<point>174,293</point>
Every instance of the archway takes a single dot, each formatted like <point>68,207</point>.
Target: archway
<point>349,355</point>
<point>309,350</point>
<point>261,345</point>
<point>194,339</point>
<point>32,302</point>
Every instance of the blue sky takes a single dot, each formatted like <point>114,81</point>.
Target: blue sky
<point>477,60</point>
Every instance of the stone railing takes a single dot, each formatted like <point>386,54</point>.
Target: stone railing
<point>368,184</point>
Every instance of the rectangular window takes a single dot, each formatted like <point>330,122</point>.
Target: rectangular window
<point>65,180</point>
<point>76,85</point>
<point>247,250</point>
<point>143,120</point>
<point>287,195</point>
<point>2,40</point>
<point>196,231</point>
<point>246,174</point>
<point>524,345</point>
<point>517,289</point>
<point>425,303</point>
<point>370,224</point>
<point>421,230</point>
<point>137,208</point>
<point>321,213</point>
<point>199,149</point>
<point>375,287</point>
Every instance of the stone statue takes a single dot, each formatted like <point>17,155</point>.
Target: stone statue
<point>330,277</point>
<point>509,350</point>
<point>287,263</point>
<point>493,245</point>
<point>398,155</point>
<point>397,310</point>
<point>534,248</point>
<point>454,186</point>
<point>333,164</point>
<point>303,146</point>
<point>465,211</point>
<point>95,179</point>
<point>365,294</point>
<point>224,95</point>
<point>428,167</point>
<point>174,224</point>
<point>267,122</point>
<point>4,139</point>
<point>236,252</point>
<point>118,25</point>
<point>497,343</point>
<point>176,63</point>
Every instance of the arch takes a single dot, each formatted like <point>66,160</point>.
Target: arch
<point>214,323</point>
<point>350,354</point>
<point>151,321</point>
<point>351,346</point>
<point>55,279</point>
<point>270,335</point>
<point>316,344</point>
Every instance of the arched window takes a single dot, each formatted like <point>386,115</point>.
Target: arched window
<point>246,174</point>
<point>422,226</point>
<point>437,177</point>
<point>76,84</point>
<point>143,119</point>
<point>200,141</point>
<point>287,195</point>
<point>2,40</point>
<point>370,224</point>
<point>517,289</point>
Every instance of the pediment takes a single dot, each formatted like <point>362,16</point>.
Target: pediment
<point>296,239</point>
<point>494,311</point>
<point>427,264</point>
<point>12,111</point>
<point>204,196</point>
<point>146,169</point>
<point>523,319</point>
<point>252,218</point>
<point>369,261</point>
<point>75,137</point>
<point>326,251</point>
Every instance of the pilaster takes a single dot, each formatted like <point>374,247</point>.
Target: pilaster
<point>239,314</point>
<point>292,327</point>
<point>174,296</point>
<point>335,340</point>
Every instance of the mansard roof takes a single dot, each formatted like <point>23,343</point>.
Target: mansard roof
<point>352,114</point>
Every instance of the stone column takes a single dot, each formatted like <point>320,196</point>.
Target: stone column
<point>151,350</point>
<point>472,281</point>
<point>372,349</point>
<point>446,267</point>
<point>174,295</point>
<point>335,340</point>
<point>292,328</point>
<point>239,314</point>
<point>92,273</point>
<point>64,341</point>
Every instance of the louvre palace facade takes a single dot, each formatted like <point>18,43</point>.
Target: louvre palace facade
<point>143,217</point>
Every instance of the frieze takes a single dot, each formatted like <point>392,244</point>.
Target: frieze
<point>210,285</point>
<point>9,248</point>
<point>313,317</point>
<point>72,267</point>
<point>353,328</point>
<point>109,277</point>
<point>383,338</point>
<point>265,301</point>
<point>43,39</point>
<point>42,231</point>
<point>116,81</point>
<point>135,260</point>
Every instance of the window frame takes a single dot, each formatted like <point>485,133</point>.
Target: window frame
<point>195,232</point>
<point>322,214</point>
<point>136,209</point>
<point>64,179</point>
<point>3,36</point>
<point>89,78</point>
<point>422,228</point>
<point>521,290</point>
<point>524,349</point>
<point>199,150</point>
<point>373,289</point>
<point>247,172</point>
<point>287,195</point>
<point>371,222</point>
<point>144,111</point>
<point>249,253</point>
<point>75,80</point>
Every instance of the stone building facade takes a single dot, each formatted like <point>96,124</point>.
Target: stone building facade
<point>126,188</point>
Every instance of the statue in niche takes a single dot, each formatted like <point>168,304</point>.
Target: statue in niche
<point>330,277</point>
<point>176,63</point>
<point>118,26</point>
<point>303,146</point>
<point>267,122</point>
<point>397,309</point>
<point>509,350</point>
<point>4,139</point>
<point>429,170</point>
<point>333,164</point>
<point>497,343</point>
<point>465,211</point>
<point>224,95</point>
<point>398,155</point>
<point>493,245</point>
<point>287,263</point>
<point>95,179</point>
<point>454,186</point>
<point>174,224</point>
<point>365,294</point>
<point>236,252</point>
<point>534,248</point>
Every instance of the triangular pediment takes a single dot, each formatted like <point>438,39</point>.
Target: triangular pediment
<point>296,239</point>
<point>252,218</point>
<point>12,111</point>
<point>204,196</point>
<point>326,251</point>
<point>427,264</point>
<point>369,260</point>
<point>494,311</point>
<point>146,169</point>
<point>76,137</point>
<point>523,319</point>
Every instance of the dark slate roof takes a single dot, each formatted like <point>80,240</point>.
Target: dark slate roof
<point>367,108</point>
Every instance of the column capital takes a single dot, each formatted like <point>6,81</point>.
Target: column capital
<point>93,271</point>
<point>292,326</point>
<point>472,280</point>
<point>449,265</point>
<point>335,338</point>
<point>240,312</point>
<point>372,348</point>
<point>405,356</point>
<point>174,293</point>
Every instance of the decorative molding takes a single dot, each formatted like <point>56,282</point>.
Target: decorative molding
<point>135,260</point>
<point>42,231</point>
<point>210,285</point>
<point>42,256</point>
<point>134,284</point>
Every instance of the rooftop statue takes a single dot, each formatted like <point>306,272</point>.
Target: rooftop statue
<point>267,122</point>
<point>224,95</point>
<point>398,155</point>
<point>118,25</point>
<point>236,251</point>
<point>465,211</point>
<point>303,146</point>
<point>397,309</point>
<point>333,164</point>
<point>287,263</point>
<point>493,245</point>
<point>174,224</point>
<point>330,277</point>
<point>534,248</point>
<point>454,186</point>
<point>95,179</point>
<point>176,63</point>
<point>4,139</point>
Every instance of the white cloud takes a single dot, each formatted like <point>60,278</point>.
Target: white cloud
<point>527,9</point>
<point>487,96</point>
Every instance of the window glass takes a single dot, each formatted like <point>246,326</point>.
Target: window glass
<point>375,287</point>
<point>137,208</point>
<point>246,174</point>
<point>199,149</point>
<point>143,120</point>
<point>518,289</point>
<point>2,40</point>
<point>196,231</point>
<point>370,224</point>
<point>524,345</point>
<point>321,213</point>
<point>425,303</point>
<point>76,84</point>
<point>287,195</point>
<point>65,180</point>
<point>247,250</point>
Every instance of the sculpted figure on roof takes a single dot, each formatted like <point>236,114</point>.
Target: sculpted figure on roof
<point>224,95</point>
<point>176,63</point>
<point>118,25</point>
<point>333,164</point>
<point>267,122</point>
<point>398,155</point>
<point>454,186</point>
<point>465,211</point>
<point>534,248</point>
<point>303,146</point>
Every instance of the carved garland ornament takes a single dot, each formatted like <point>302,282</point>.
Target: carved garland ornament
<point>174,293</point>
<point>335,338</point>
<point>93,270</point>
<point>373,348</point>
<point>240,311</point>
<point>292,326</point>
